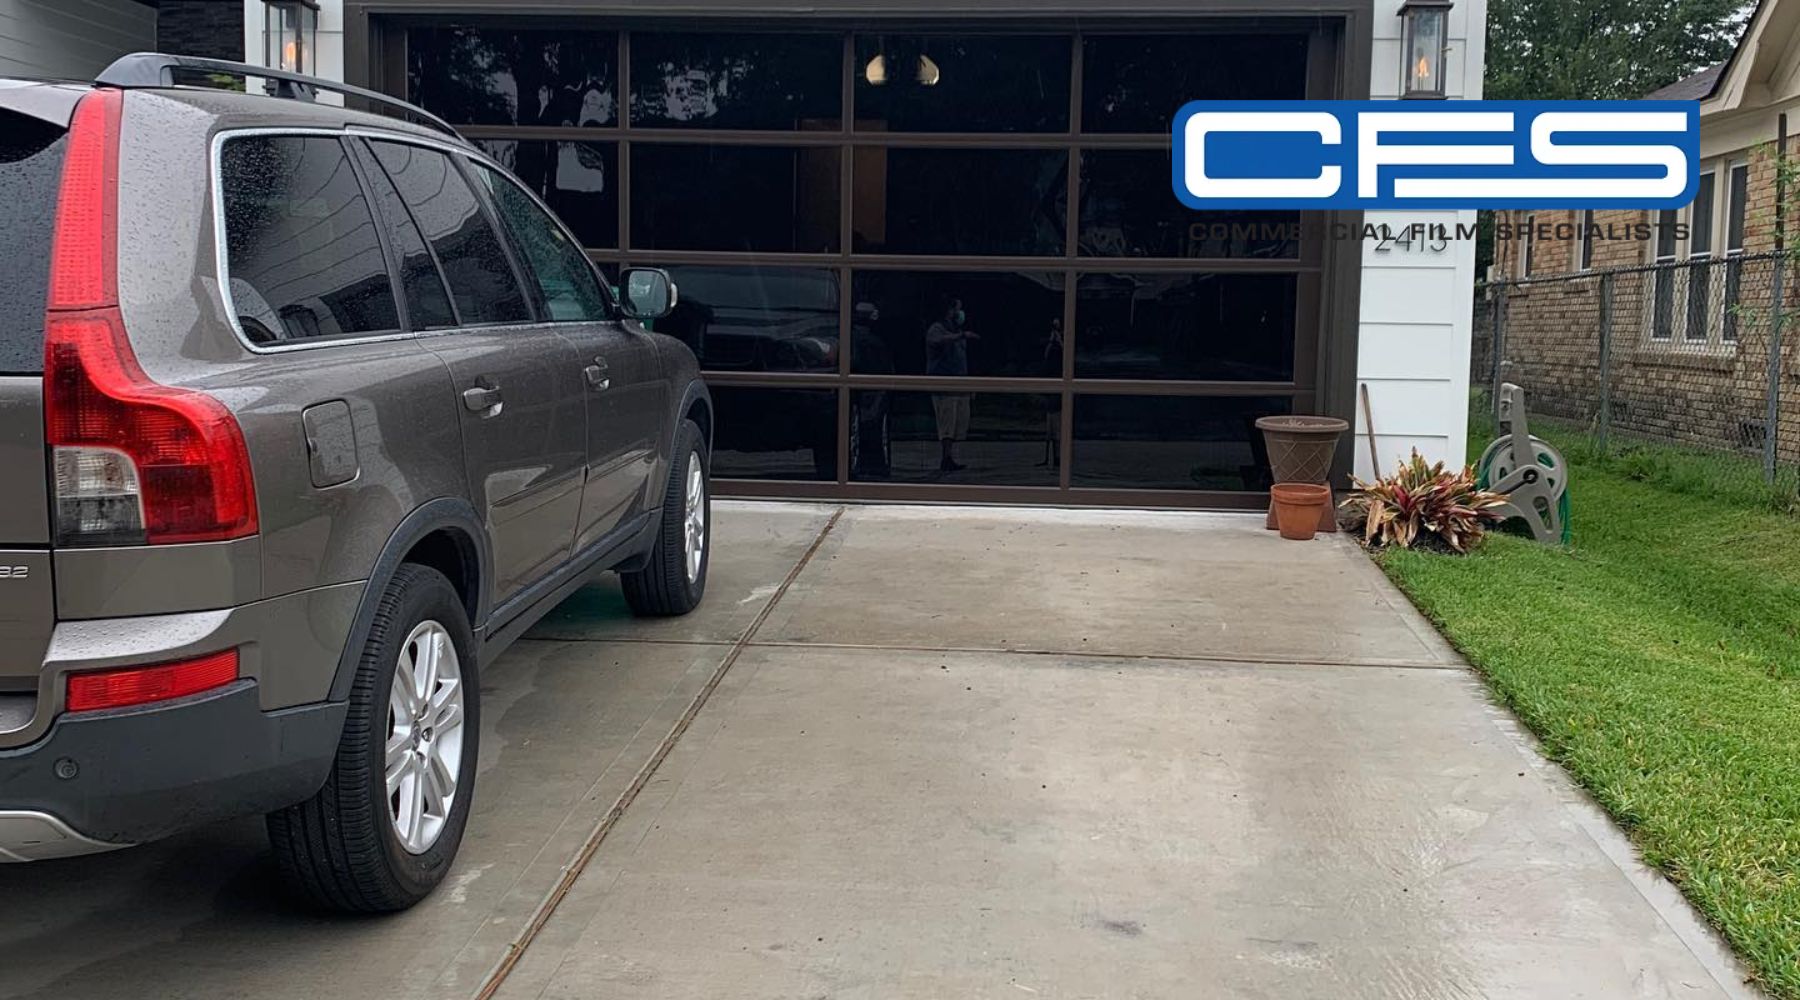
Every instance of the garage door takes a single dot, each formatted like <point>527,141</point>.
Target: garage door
<point>923,265</point>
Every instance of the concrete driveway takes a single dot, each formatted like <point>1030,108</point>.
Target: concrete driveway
<point>909,752</point>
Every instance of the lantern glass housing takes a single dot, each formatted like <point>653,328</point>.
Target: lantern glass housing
<point>291,35</point>
<point>1426,47</point>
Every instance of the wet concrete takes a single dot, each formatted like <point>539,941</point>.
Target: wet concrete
<point>968,753</point>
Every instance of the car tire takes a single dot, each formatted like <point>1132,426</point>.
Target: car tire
<point>673,579</point>
<point>370,840</point>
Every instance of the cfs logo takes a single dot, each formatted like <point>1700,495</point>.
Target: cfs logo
<point>1441,155</point>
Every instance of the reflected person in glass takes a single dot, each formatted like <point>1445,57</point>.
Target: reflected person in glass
<point>947,355</point>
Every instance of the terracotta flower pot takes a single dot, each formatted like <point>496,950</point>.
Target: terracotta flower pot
<point>1298,507</point>
<point>1301,449</point>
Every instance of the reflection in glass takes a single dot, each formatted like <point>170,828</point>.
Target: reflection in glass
<point>962,83</point>
<point>1213,327</point>
<point>469,251</point>
<point>947,324</point>
<point>505,76</point>
<point>757,319</point>
<point>1136,83</point>
<point>775,434</point>
<point>961,201</point>
<point>769,199</point>
<point>990,439</point>
<point>736,81</point>
<point>578,180</point>
<point>1126,211</point>
<point>1172,442</point>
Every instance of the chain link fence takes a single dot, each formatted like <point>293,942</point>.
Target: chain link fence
<point>1685,372</point>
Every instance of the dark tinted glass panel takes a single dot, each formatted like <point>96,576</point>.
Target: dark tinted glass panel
<point>1740,200</point>
<point>578,180</point>
<point>962,83</point>
<point>990,439</point>
<point>947,324</point>
<point>1221,327</point>
<point>504,76</point>
<point>427,303</point>
<point>302,250</point>
<point>775,434</point>
<point>1700,239</point>
<point>766,199</point>
<point>961,201</point>
<point>474,263</point>
<point>568,291</point>
<point>736,81</point>
<point>1172,442</point>
<point>31,160</point>
<point>1126,211</point>
<point>1136,83</point>
<point>757,319</point>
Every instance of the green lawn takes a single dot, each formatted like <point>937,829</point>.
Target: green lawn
<point>1659,662</point>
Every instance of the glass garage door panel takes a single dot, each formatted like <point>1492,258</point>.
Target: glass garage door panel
<point>1172,442</point>
<point>757,319</point>
<point>1016,316</point>
<point>760,199</point>
<point>506,76</point>
<point>1136,83</point>
<point>742,80</point>
<point>786,434</point>
<point>961,201</point>
<point>578,180</point>
<point>998,439</point>
<point>1199,327</point>
<point>1126,211</point>
<point>962,83</point>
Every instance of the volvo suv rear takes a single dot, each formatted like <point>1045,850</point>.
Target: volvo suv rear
<point>305,414</point>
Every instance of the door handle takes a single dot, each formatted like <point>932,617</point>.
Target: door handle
<point>597,378</point>
<point>484,399</point>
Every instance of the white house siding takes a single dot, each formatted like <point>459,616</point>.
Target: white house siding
<point>71,39</point>
<point>1413,351</point>
<point>330,54</point>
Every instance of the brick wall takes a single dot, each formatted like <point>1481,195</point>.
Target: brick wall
<point>213,29</point>
<point>1711,393</point>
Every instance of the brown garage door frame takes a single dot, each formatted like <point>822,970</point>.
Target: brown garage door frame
<point>1328,271</point>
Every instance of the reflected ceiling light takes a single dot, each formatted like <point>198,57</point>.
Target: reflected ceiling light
<point>876,72</point>
<point>929,74</point>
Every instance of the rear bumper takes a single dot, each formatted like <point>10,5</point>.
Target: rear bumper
<point>101,780</point>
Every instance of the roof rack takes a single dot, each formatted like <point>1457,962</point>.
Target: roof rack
<point>141,70</point>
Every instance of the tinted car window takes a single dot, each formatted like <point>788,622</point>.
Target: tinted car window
<point>469,251</point>
<point>427,304</point>
<point>31,158</point>
<point>302,251</point>
<point>564,278</point>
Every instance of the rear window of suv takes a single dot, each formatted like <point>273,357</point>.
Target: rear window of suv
<point>31,159</point>
<point>302,252</point>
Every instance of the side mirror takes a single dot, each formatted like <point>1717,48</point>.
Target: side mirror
<point>648,293</point>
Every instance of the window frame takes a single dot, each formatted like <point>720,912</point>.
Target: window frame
<point>1325,45</point>
<point>1684,262</point>
<point>367,133</point>
<point>522,259</point>
<point>222,252</point>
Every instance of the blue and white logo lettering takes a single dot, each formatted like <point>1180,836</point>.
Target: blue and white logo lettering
<point>1437,155</point>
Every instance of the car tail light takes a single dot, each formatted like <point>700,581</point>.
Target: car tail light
<point>143,685</point>
<point>133,461</point>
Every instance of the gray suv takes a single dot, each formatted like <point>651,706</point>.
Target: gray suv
<point>305,415</point>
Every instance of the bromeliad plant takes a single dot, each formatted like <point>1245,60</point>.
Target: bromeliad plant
<point>1423,505</point>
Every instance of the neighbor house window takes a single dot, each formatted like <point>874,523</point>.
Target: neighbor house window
<point>1662,312</point>
<point>1737,205</point>
<point>1528,247</point>
<point>1584,240</point>
<point>1700,267</point>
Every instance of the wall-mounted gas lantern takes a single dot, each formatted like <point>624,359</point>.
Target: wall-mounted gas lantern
<point>1426,44</point>
<point>291,35</point>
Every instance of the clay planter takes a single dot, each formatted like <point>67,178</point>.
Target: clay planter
<point>1297,508</point>
<point>1301,450</point>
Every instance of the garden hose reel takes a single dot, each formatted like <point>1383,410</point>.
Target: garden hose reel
<point>1528,471</point>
